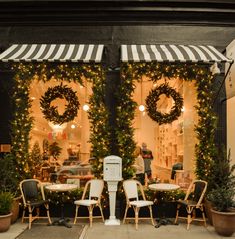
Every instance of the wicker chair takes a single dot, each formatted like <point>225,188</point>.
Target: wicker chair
<point>95,187</point>
<point>132,200</point>
<point>193,200</point>
<point>33,197</point>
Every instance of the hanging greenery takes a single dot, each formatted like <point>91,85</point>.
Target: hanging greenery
<point>22,121</point>
<point>100,133</point>
<point>205,129</point>
<point>125,116</point>
<point>62,92</point>
<point>153,98</point>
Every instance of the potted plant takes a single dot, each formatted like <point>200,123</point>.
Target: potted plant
<point>6,199</point>
<point>222,195</point>
<point>9,181</point>
<point>55,150</point>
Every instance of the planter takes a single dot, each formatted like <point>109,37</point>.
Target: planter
<point>15,209</point>
<point>224,222</point>
<point>5,222</point>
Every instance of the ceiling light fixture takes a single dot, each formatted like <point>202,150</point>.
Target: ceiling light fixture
<point>141,106</point>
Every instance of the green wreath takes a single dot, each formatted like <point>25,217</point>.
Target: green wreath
<point>51,113</point>
<point>151,104</point>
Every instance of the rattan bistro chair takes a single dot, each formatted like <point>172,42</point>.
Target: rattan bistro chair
<point>132,200</point>
<point>33,197</point>
<point>95,188</point>
<point>193,200</point>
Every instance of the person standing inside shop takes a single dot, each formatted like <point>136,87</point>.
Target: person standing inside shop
<point>148,157</point>
<point>139,165</point>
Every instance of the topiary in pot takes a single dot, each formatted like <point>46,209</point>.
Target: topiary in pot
<point>222,195</point>
<point>9,181</point>
<point>6,199</point>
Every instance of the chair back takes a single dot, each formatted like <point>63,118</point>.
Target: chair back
<point>31,190</point>
<point>197,189</point>
<point>96,188</point>
<point>131,189</point>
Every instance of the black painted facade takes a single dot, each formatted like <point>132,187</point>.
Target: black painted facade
<point>113,23</point>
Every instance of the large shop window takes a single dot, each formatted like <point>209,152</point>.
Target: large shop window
<point>171,143</point>
<point>62,149</point>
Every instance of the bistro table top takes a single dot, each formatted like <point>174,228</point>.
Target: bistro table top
<point>61,187</point>
<point>164,186</point>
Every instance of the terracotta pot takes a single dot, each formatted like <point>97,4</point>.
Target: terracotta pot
<point>5,222</point>
<point>15,209</point>
<point>223,222</point>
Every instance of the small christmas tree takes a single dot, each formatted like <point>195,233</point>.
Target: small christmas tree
<point>223,190</point>
<point>35,158</point>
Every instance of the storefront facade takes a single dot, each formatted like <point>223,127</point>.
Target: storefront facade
<point>113,24</point>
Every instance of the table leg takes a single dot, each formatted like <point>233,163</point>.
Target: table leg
<point>162,219</point>
<point>62,221</point>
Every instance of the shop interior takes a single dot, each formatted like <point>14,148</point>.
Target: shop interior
<point>170,143</point>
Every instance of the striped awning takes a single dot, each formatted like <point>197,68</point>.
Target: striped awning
<point>172,53</point>
<point>53,53</point>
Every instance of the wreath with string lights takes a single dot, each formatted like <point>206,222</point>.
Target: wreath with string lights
<point>153,98</point>
<point>51,112</point>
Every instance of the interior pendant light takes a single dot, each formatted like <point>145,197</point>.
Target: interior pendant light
<point>85,107</point>
<point>141,106</point>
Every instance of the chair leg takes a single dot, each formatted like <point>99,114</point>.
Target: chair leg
<point>23,215</point>
<point>177,214</point>
<point>203,216</point>
<point>30,217</point>
<point>48,213</point>
<point>90,214</point>
<point>101,211</point>
<point>76,214</point>
<point>151,214</point>
<point>125,213</point>
<point>136,217</point>
<point>188,221</point>
<point>190,210</point>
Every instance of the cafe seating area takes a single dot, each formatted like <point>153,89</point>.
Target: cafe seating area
<point>136,198</point>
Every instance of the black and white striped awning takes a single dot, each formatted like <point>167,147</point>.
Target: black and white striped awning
<point>53,53</point>
<point>172,53</point>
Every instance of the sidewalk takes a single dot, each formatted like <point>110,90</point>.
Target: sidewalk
<point>128,231</point>
<point>147,231</point>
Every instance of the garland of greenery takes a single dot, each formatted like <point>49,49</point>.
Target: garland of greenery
<point>125,116</point>
<point>51,113</point>
<point>98,114</point>
<point>153,98</point>
<point>205,129</point>
<point>22,121</point>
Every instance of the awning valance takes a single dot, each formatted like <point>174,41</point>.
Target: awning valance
<point>53,53</point>
<point>172,53</point>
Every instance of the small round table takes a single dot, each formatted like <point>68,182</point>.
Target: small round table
<point>60,188</point>
<point>163,187</point>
